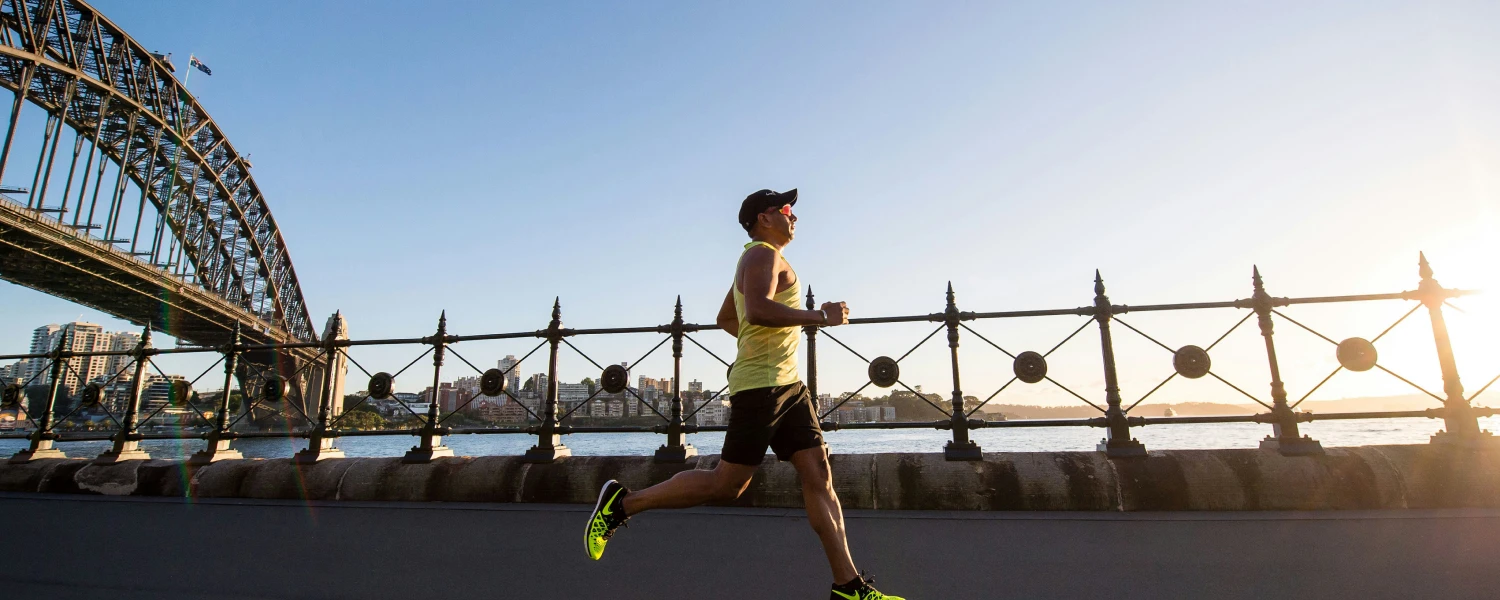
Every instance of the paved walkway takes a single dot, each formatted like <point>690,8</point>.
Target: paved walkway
<point>80,547</point>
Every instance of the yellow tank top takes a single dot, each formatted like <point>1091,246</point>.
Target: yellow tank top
<point>767,356</point>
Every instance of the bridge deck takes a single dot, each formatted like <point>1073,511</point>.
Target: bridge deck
<point>42,254</point>
<point>84,547</point>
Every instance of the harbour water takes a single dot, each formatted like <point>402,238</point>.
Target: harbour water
<point>1156,437</point>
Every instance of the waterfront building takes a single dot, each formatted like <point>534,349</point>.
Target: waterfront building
<point>512,412</point>
<point>488,410</point>
<point>712,413</point>
<point>448,398</point>
<point>159,391</point>
<point>570,395</point>
<point>661,385</point>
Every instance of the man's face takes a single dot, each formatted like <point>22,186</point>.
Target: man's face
<point>780,222</point>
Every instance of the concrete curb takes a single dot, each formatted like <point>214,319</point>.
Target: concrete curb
<point>1370,477</point>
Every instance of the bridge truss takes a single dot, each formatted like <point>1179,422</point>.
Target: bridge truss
<point>153,216</point>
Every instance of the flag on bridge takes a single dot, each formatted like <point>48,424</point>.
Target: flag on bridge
<point>193,61</point>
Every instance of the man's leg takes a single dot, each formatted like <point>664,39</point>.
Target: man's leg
<point>691,488</point>
<point>823,510</point>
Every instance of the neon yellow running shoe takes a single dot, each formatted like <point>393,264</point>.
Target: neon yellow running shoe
<point>609,515</point>
<point>863,591</point>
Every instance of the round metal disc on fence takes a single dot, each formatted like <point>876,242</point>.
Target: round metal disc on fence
<point>93,394</point>
<point>12,395</point>
<point>381,385</point>
<point>1030,367</point>
<point>273,389</point>
<point>614,379</point>
<point>884,371</point>
<point>492,382</point>
<point>1191,361</point>
<point>1357,354</point>
<point>180,393</point>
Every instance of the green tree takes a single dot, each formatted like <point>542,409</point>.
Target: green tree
<point>362,420</point>
<point>588,381</point>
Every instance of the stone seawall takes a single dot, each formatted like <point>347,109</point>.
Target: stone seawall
<point>1369,477</point>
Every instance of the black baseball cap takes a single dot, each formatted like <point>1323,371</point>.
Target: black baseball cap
<point>758,202</point>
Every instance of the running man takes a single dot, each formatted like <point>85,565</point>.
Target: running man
<point>768,404</point>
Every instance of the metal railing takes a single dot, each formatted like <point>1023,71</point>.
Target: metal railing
<point>270,387</point>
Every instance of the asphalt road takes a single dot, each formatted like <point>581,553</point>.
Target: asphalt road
<point>64,547</point>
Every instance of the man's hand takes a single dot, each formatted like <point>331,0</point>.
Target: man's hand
<point>835,313</point>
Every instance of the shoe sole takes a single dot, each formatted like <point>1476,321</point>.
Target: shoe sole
<point>588,528</point>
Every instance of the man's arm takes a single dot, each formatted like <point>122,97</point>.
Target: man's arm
<point>758,283</point>
<point>728,320</point>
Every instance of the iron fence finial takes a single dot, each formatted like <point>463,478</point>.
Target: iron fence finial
<point>1098,283</point>
<point>1423,269</point>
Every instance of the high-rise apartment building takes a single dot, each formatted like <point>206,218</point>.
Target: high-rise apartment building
<point>77,371</point>
<point>43,340</point>
<point>123,341</point>
<point>539,383</point>
<point>77,336</point>
<point>84,337</point>
<point>512,369</point>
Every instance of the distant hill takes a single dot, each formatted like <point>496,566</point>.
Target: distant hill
<point>1199,409</point>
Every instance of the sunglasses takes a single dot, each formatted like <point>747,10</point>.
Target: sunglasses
<point>786,210</point>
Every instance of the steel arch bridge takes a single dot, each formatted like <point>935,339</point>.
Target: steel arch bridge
<point>153,216</point>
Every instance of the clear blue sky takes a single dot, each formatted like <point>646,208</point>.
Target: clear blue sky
<point>483,158</point>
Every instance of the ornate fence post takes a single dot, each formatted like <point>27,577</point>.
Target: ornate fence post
<point>675,450</point>
<point>430,440</point>
<point>43,438</point>
<point>220,438</point>
<point>320,438</point>
<point>812,354</point>
<point>1118,444</point>
<point>549,446</point>
<point>1284,434</point>
<point>960,447</point>
<point>1461,425</point>
<point>127,441</point>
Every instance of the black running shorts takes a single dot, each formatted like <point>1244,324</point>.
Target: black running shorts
<point>781,417</point>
